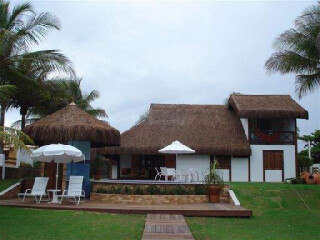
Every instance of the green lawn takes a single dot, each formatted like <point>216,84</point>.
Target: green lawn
<point>7,183</point>
<point>278,213</point>
<point>18,223</point>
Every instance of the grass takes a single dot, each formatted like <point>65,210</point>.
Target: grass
<point>4,184</point>
<point>18,223</point>
<point>278,213</point>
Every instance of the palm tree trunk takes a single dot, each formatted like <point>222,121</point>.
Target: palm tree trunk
<point>2,118</point>
<point>23,121</point>
<point>23,113</point>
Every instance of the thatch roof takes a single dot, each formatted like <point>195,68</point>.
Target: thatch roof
<point>72,124</point>
<point>208,129</point>
<point>266,106</point>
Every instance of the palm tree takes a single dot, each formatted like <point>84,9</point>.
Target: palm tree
<point>55,94</point>
<point>6,91</point>
<point>20,29</point>
<point>297,51</point>
<point>30,87</point>
<point>62,92</point>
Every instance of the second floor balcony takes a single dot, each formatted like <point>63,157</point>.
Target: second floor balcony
<point>272,137</point>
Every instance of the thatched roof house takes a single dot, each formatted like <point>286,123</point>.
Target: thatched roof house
<point>72,124</point>
<point>208,129</point>
<point>266,106</point>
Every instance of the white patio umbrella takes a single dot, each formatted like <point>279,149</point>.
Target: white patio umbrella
<point>59,153</point>
<point>177,148</point>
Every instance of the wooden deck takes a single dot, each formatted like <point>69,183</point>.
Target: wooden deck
<point>166,226</point>
<point>204,210</point>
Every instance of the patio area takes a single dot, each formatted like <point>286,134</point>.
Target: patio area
<point>203,210</point>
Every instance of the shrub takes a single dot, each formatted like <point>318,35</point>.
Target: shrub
<point>138,190</point>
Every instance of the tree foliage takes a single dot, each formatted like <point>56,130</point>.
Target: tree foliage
<point>314,139</point>
<point>298,52</point>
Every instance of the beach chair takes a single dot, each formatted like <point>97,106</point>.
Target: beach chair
<point>159,174</point>
<point>74,192</point>
<point>38,190</point>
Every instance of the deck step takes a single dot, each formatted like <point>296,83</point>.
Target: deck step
<point>166,226</point>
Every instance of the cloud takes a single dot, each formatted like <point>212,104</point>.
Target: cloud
<point>137,53</point>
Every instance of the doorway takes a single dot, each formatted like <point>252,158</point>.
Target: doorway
<point>273,166</point>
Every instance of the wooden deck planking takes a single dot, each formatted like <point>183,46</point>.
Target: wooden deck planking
<point>166,226</point>
<point>205,209</point>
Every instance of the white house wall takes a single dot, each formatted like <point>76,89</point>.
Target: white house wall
<point>224,173</point>
<point>256,161</point>
<point>245,125</point>
<point>199,162</point>
<point>239,169</point>
<point>125,162</point>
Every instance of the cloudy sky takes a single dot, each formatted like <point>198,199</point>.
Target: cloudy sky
<point>141,52</point>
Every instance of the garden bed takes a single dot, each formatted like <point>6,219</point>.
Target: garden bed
<point>148,199</point>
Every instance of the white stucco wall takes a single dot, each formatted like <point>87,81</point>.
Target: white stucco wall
<point>125,162</point>
<point>245,125</point>
<point>239,169</point>
<point>273,176</point>
<point>256,160</point>
<point>224,173</point>
<point>200,162</point>
<point>23,156</point>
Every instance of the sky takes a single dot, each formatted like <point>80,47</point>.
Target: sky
<point>195,52</point>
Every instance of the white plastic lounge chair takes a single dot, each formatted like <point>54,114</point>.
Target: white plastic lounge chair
<point>38,190</point>
<point>159,174</point>
<point>74,191</point>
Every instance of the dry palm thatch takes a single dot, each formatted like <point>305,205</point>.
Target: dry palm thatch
<point>72,124</point>
<point>208,129</point>
<point>266,106</point>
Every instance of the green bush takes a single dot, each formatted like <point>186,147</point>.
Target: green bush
<point>138,190</point>
<point>155,190</point>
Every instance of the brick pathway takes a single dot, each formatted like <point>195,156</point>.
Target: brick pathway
<point>166,226</point>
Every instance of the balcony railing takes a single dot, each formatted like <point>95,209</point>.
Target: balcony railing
<point>272,137</point>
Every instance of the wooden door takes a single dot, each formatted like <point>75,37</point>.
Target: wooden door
<point>272,160</point>
<point>170,161</point>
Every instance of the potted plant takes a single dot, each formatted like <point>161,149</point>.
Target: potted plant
<point>214,182</point>
<point>97,166</point>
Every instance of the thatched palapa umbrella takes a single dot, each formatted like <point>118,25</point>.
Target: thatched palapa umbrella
<point>72,124</point>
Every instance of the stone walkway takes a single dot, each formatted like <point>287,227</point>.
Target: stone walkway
<point>166,226</point>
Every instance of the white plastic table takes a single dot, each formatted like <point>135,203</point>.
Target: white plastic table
<point>54,195</point>
<point>170,172</point>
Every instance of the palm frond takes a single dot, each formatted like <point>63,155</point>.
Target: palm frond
<point>6,91</point>
<point>17,13</point>
<point>97,112</point>
<point>15,137</point>
<point>307,83</point>
<point>290,62</point>
<point>51,60</point>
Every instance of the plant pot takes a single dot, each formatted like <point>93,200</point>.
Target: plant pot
<point>214,193</point>
<point>97,174</point>
<point>316,178</point>
<point>310,180</point>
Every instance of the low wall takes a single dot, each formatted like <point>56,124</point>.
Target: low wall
<point>21,172</point>
<point>148,199</point>
<point>11,192</point>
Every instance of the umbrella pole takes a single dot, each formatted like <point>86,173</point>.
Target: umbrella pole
<point>57,176</point>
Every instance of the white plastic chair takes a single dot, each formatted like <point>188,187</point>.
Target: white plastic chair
<point>163,172</point>
<point>74,190</point>
<point>38,190</point>
<point>159,174</point>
